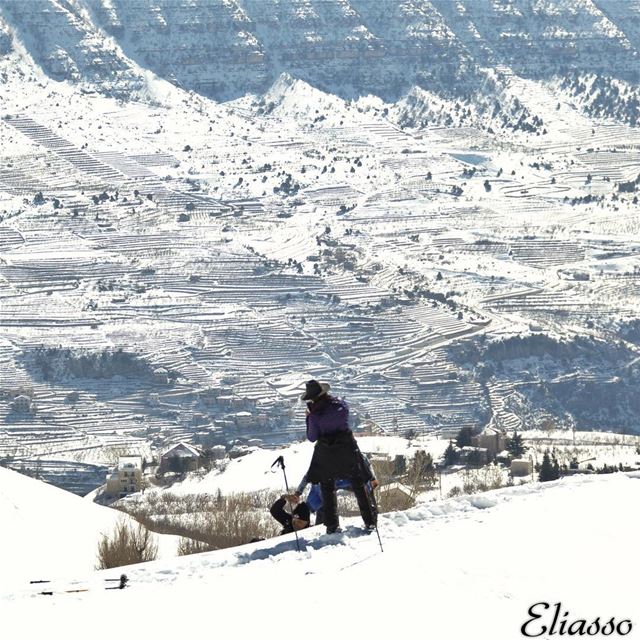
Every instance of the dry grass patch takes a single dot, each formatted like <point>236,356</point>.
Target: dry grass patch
<point>206,522</point>
<point>127,544</point>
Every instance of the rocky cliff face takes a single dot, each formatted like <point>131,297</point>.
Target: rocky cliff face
<point>61,37</point>
<point>5,39</point>
<point>207,47</point>
<point>227,48</point>
<point>541,38</point>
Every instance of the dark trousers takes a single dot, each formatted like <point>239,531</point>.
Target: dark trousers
<point>330,503</point>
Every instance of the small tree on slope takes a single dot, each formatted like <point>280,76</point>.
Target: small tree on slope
<point>450,455</point>
<point>549,469</point>
<point>515,445</point>
<point>422,471</point>
<point>463,438</point>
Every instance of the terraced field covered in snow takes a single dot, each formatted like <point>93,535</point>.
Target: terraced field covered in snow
<point>170,265</point>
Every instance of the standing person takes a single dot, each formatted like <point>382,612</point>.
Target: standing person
<point>335,455</point>
<point>314,499</point>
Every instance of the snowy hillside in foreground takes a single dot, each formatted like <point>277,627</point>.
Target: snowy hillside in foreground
<point>49,532</point>
<point>464,568</point>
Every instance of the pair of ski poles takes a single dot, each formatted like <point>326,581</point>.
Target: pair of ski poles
<point>372,500</point>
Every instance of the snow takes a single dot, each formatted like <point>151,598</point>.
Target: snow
<point>461,567</point>
<point>464,567</point>
<point>48,532</point>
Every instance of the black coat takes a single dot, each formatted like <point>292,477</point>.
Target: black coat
<point>337,457</point>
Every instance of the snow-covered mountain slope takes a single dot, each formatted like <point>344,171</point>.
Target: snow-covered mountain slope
<point>5,39</point>
<point>468,567</point>
<point>173,267</point>
<point>348,47</point>
<point>62,39</point>
<point>48,532</point>
<point>246,246</point>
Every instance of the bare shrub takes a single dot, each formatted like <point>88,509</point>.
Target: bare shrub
<point>236,522</point>
<point>216,521</point>
<point>493,478</point>
<point>479,480</point>
<point>187,546</point>
<point>383,469</point>
<point>454,492</point>
<point>390,496</point>
<point>391,499</point>
<point>127,544</point>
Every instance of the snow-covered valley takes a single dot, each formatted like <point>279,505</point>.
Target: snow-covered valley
<point>174,267</point>
<point>430,204</point>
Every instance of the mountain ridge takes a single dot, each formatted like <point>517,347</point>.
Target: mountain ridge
<point>227,49</point>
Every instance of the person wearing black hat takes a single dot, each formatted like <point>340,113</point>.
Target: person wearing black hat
<point>336,454</point>
<point>299,519</point>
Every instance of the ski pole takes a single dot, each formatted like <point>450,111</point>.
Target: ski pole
<point>280,462</point>
<point>369,490</point>
<point>123,579</point>
<point>374,505</point>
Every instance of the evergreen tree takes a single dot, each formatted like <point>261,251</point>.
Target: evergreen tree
<point>463,438</point>
<point>422,470</point>
<point>515,445</point>
<point>399,466</point>
<point>549,469</point>
<point>546,469</point>
<point>450,455</point>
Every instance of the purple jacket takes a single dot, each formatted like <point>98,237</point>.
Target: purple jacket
<point>327,416</point>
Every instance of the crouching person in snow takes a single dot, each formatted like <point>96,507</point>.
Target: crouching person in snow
<point>299,519</point>
<point>336,454</point>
